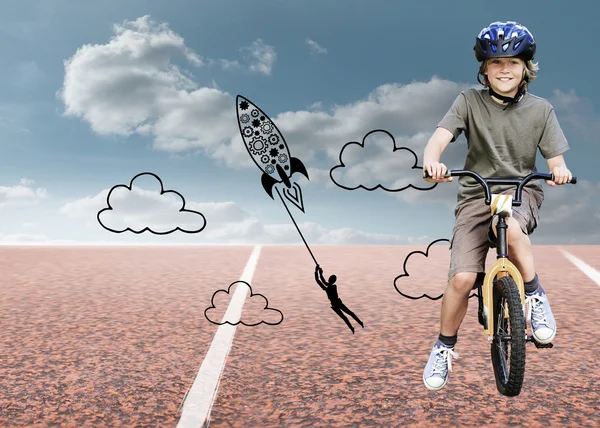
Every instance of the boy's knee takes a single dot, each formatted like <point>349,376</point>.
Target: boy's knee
<point>514,232</point>
<point>463,282</point>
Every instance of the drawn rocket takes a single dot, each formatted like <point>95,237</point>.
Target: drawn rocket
<point>268,150</point>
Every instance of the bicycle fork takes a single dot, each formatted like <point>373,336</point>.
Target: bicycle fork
<point>501,205</point>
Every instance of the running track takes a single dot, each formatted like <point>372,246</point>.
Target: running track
<point>117,336</point>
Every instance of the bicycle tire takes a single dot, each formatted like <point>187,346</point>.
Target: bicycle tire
<point>509,381</point>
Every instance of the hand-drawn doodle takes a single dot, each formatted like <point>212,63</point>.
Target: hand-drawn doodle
<point>270,152</point>
<point>165,215</point>
<point>274,313</point>
<point>396,152</point>
<point>406,274</point>
<point>330,287</point>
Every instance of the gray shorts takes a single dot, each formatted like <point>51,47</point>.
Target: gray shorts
<point>470,241</point>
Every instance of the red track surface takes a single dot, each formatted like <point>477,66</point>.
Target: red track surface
<point>115,337</point>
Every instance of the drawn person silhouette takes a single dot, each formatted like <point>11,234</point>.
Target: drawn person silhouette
<point>337,305</point>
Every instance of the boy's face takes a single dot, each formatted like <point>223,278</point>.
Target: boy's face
<point>505,74</point>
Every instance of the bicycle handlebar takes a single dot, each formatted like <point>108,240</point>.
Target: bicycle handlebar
<point>486,182</point>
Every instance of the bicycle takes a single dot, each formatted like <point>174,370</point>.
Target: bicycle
<point>501,293</point>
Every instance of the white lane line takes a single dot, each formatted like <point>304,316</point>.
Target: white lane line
<point>585,268</point>
<point>201,396</point>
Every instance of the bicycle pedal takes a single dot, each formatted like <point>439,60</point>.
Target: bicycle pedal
<point>538,344</point>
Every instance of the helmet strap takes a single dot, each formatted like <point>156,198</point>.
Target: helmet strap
<point>510,100</point>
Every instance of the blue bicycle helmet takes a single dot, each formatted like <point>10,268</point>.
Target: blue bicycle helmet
<point>504,39</point>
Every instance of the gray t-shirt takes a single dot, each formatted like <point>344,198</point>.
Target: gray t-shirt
<point>503,143</point>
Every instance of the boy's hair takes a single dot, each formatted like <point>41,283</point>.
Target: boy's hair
<point>531,70</point>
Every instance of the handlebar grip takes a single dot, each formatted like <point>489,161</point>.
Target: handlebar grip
<point>426,174</point>
<point>573,179</point>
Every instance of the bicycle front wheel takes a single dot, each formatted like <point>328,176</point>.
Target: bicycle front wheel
<point>508,345</point>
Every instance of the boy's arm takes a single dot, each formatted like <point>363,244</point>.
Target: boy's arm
<point>433,152</point>
<point>558,167</point>
<point>318,280</point>
<point>322,277</point>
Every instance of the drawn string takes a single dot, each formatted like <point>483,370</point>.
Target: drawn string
<point>297,228</point>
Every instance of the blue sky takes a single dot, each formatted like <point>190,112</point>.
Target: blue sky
<point>92,95</point>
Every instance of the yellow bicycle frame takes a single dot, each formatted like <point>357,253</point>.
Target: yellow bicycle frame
<point>500,205</point>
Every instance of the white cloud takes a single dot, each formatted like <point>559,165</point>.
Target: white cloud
<point>316,106</point>
<point>315,48</point>
<point>156,210</point>
<point>579,113</point>
<point>570,214</point>
<point>378,160</point>
<point>30,239</point>
<point>228,64</point>
<point>262,56</point>
<point>228,223</point>
<point>563,100</point>
<point>86,207</point>
<point>22,238</point>
<point>317,234</point>
<point>259,58</point>
<point>26,182</point>
<point>252,231</point>
<point>130,85</point>
<point>22,194</point>
<point>221,212</point>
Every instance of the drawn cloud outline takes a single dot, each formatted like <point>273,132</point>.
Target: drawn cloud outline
<point>212,306</point>
<point>426,254</point>
<point>162,192</point>
<point>342,165</point>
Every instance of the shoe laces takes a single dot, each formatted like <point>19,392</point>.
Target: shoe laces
<point>443,361</point>
<point>535,308</point>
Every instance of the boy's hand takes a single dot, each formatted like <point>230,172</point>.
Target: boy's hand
<point>562,175</point>
<point>437,171</point>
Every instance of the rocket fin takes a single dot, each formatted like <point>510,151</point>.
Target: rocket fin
<point>296,165</point>
<point>268,182</point>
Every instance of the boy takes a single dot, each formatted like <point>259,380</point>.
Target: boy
<point>504,126</point>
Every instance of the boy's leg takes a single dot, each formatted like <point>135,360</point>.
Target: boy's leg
<point>342,316</point>
<point>455,302</point>
<point>352,314</point>
<point>469,247</point>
